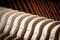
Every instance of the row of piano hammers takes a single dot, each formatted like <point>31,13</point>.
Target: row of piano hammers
<point>16,25</point>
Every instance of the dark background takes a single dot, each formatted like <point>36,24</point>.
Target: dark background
<point>45,8</point>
